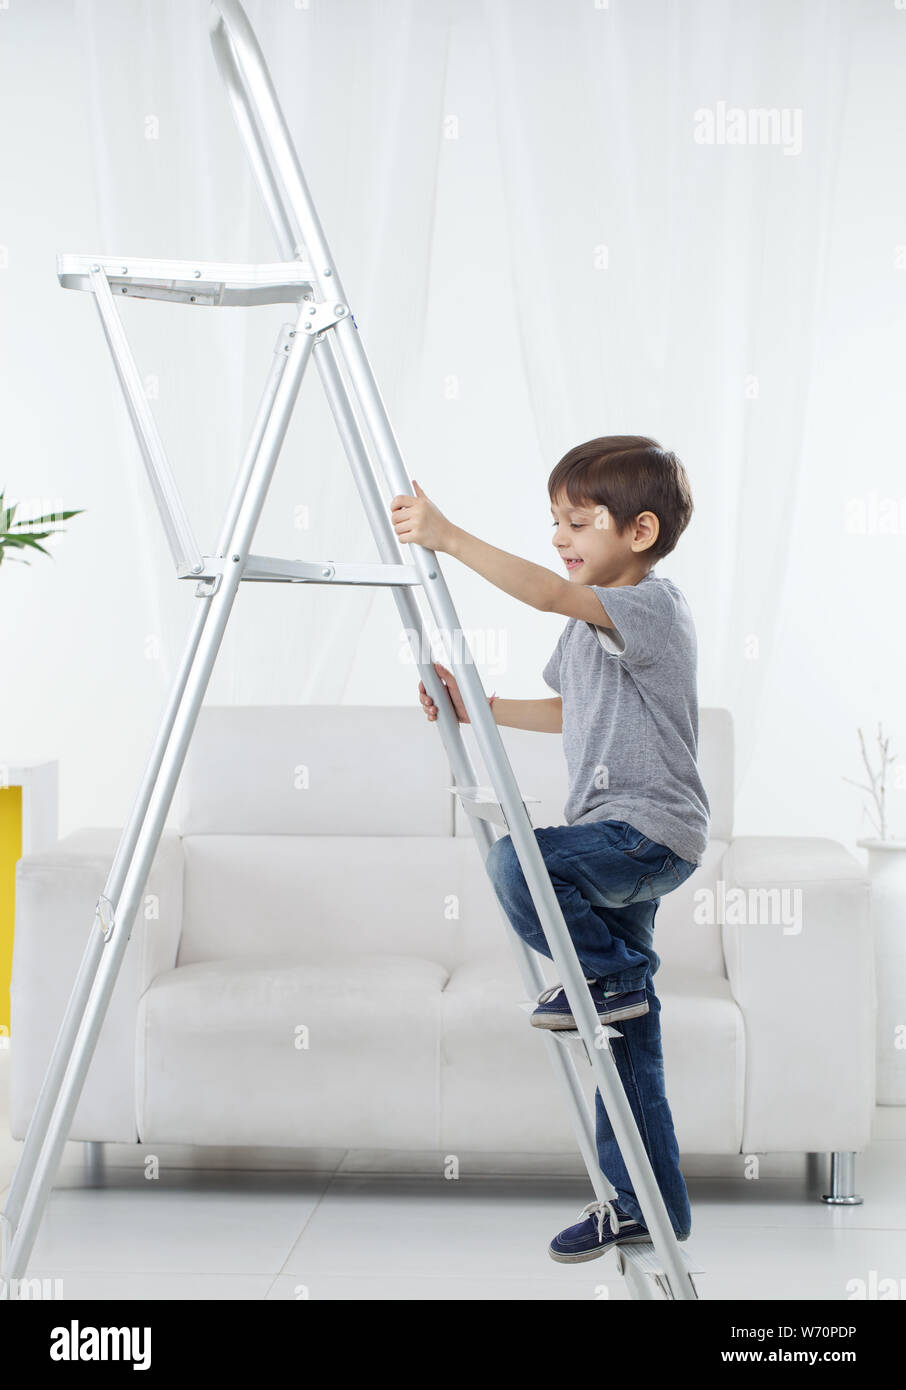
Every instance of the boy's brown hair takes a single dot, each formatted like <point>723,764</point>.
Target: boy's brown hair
<point>628,474</point>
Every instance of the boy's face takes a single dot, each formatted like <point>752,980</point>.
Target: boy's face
<point>586,540</point>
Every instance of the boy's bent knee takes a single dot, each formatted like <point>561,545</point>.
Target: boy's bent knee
<point>499,847</point>
<point>501,853</point>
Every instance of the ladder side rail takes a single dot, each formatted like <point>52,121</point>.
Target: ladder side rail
<point>461,768</point>
<point>259,426</point>
<point>220,606</point>
<point>163,484</point>
<point>268,143</point>
<point>389,550</point>
<point>566,961</point>
<point>356,450</point>
<point>538,880</point>
<point>286,229</point>
<point>556,934</point>
<point>563,1063</point>
<point>273,157</point>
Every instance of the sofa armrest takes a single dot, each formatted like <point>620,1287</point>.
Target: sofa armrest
<point>56,894</point>
<point>799,955</point>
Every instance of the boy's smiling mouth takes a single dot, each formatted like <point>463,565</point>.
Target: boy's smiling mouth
<point>571,563</point>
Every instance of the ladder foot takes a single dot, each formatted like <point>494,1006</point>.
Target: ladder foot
<point>643,1270</point>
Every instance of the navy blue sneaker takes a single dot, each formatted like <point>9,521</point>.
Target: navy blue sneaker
<point>553,1006</point>
<point>588,1239</point>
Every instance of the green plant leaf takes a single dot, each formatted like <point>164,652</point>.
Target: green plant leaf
<point>51,516</point>
<point>20,542</point>
<point>21,535</point>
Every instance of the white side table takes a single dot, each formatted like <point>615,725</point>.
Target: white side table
<point>28,823</point>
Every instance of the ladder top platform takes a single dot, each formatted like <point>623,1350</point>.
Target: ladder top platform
<point>190,282</point>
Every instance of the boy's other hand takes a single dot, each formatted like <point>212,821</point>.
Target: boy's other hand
<point>417,521</point>
<point>449,681</point>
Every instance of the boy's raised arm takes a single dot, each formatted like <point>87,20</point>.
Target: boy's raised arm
<point>533,584</point>
<point>418,521</point>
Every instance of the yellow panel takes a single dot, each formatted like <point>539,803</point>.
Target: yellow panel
<point>10,852</point>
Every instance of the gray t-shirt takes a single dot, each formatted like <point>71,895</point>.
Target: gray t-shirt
<point>630,716</point>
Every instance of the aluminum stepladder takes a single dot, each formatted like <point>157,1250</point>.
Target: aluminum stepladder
<point>324,327</point>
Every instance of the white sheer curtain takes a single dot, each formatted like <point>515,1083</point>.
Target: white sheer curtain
<point>672,288</point>
<point>361,88</point>
<point>537,251</point>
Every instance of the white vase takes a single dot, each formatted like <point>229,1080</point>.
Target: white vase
<point>887,872</point>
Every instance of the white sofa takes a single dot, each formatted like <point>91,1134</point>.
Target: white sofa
<point>320,961</point>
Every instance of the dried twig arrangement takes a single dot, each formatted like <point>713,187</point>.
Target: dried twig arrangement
<point>877,789</point>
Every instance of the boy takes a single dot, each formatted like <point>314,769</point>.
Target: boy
<point>637,813</point>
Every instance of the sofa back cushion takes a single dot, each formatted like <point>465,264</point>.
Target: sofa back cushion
<point>314,770</point>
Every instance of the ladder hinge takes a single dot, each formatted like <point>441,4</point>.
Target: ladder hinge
<point>211,575</point>
<point>207,588</point>
<point>321,314</point>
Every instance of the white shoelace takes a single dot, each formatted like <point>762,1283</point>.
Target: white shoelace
<point>600,1208</point>
<point>547,994</point>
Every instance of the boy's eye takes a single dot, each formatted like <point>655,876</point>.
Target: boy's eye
<point>576,525</point>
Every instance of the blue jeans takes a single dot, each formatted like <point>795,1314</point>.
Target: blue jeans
<point>609,880</point>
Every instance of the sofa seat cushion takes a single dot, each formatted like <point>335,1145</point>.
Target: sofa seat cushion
<point>272,1050</point>
<point>498,1090</point>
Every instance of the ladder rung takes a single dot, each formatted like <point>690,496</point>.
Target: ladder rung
<point>648,1261</point>
<point>482,803</point>
<point>274,569</point>
<point>190,282</point>
<point>573,1034</point>
<point>567,1036</point>
<point>267,567</point>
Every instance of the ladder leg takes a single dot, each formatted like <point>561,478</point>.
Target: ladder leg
<point>78,999</point>
<point>59,1110</point>
<point>38,1125</point>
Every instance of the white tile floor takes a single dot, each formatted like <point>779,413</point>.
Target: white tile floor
<point>346,1225</point>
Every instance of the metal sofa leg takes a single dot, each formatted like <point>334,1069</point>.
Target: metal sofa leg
<point>93,1154</point>
<point>842,1181</point>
